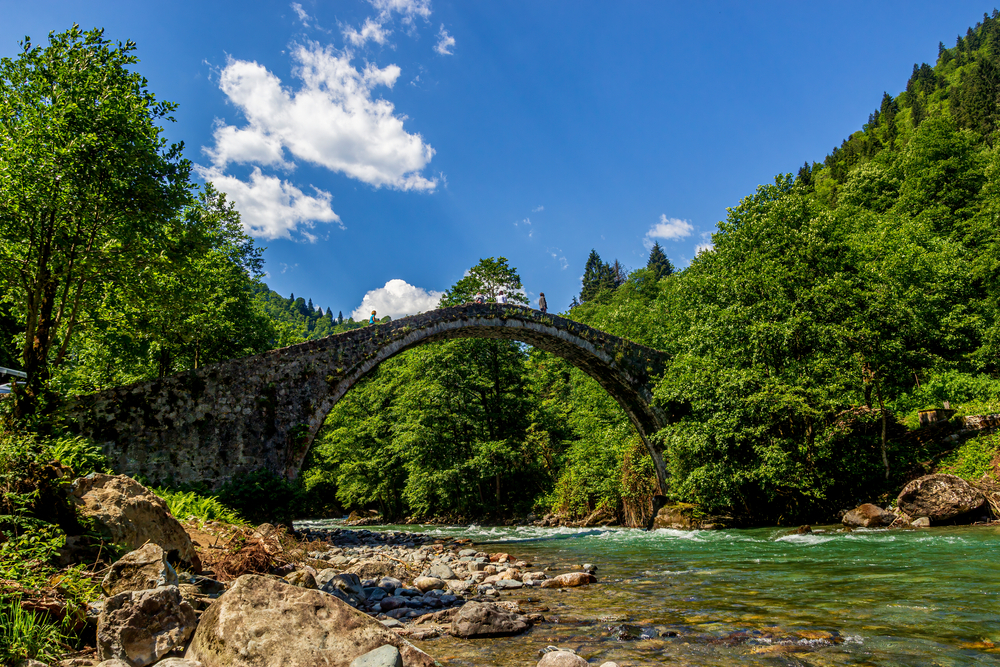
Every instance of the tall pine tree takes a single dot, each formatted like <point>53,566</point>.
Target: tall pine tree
<point>658,262</point>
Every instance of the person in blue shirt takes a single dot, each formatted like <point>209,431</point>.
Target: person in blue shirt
<point>371,320</point>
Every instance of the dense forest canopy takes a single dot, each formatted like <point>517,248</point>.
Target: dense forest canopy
<point>833,303</point>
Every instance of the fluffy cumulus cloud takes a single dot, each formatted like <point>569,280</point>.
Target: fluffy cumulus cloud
<point>703,247</point>
<point>397,299</point>
<point>332,120</point>
<point>445,42</point>
<point>372,31</point>
<point>668,229</point>
<point>407,9</point>
<point>272,208</point>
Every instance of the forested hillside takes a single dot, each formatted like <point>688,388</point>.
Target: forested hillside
<point>834,304</point>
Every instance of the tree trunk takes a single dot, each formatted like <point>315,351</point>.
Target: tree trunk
<point>881,406</point>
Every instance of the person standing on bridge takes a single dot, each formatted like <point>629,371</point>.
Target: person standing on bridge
<point>371,320</point>
<point>542,305</point>
<point>501,298</point>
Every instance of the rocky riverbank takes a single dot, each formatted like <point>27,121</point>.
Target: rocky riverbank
<point>194,595</point>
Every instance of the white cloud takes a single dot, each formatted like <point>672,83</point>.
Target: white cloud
<point>445,42</point>
<point>370,31</point>
<point>538,209</point>
<point>397,299</point>
<point>408,9</point>
<point>245,146</point>
<point>703,247</point>
<point>669,229</point>
<point>297,8</point>
<point>331,120</point>
<point>563,262</point>
<point>271,208</point>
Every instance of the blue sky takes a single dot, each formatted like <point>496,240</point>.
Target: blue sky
<point>380,148</point>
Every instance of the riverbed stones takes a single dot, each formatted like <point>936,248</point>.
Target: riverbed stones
<point>347,587</point>
<point>940,498</point>
<point>561,659</point>
<point>139,570</point>
<point>383,656</point>
<point>868,516</point>
<point>264,622</point>
<point>140,627</point>
<point>478,619</point>
<point>921,522</point>
<point>131,514</point>
<point>569,580</point>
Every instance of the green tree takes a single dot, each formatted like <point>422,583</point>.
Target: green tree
<point>489,277</point>
<point>89,189</point>
<point>658,262</point>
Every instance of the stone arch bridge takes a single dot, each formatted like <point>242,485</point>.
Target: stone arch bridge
<point>205,425</point>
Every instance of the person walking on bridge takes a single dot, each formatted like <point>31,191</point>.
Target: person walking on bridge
<point>542,305</point>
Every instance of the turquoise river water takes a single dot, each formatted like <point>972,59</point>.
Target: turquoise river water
<point>750,597</point>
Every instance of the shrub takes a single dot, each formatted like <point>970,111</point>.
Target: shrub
<point>184,504</point>
<point>26,635</point>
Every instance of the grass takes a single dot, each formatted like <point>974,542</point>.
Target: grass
<point>973,459</point>
<point>24,635</point>
<point>185,504</point>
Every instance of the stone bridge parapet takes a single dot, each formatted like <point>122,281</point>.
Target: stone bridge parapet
<point>205,425</point>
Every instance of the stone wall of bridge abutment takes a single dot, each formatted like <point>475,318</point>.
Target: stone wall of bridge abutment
<point>206,425</point>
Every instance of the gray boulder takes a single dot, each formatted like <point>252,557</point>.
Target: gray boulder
<point>140,627</point>
<point>424,584</point>
<point>940,498</point>
<point>178,662</point>
<point>442,571</point>
<point>347,587</point>
<point>868,516</point>
<point>384,656</point>
<point>324,576</point>
<point>140,570</point>
<point>478,619</point>
<point>264,622</point>
<point>131,514</point>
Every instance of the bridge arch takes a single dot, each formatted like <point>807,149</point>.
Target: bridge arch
<point>265,411</point>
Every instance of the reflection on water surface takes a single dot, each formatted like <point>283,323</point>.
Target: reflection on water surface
<point>752,597</point>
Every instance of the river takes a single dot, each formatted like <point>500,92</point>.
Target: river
<point>751,597</point>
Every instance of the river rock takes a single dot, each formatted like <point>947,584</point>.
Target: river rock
<point>561,659</point>
<point>442,571</point>
<point>347,587</point>
<point>384,656</point>
<point>921,522</point>
<point>868,516</point>
<point>302,578</point>
<point>569,580</point>
<point>133,515</point>
<point>377,569</point>
<point>324,576</point>
<point>477,619</point>
<point>264,622</point>
<point>424,584</point>
<point>140,570</point>
<point>140,627</point>
<point>178,662</point>
<point>113,662</point>
<point>940,498</point>
<point>673,516</point>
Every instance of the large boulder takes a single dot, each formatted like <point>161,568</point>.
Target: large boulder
<point>940,498</point>
<point>139,570</point>
<point>868,516</point>
<point>478,619</point>
<point>133,515</point>
<point>264,622</point>
<point>140,627</point>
